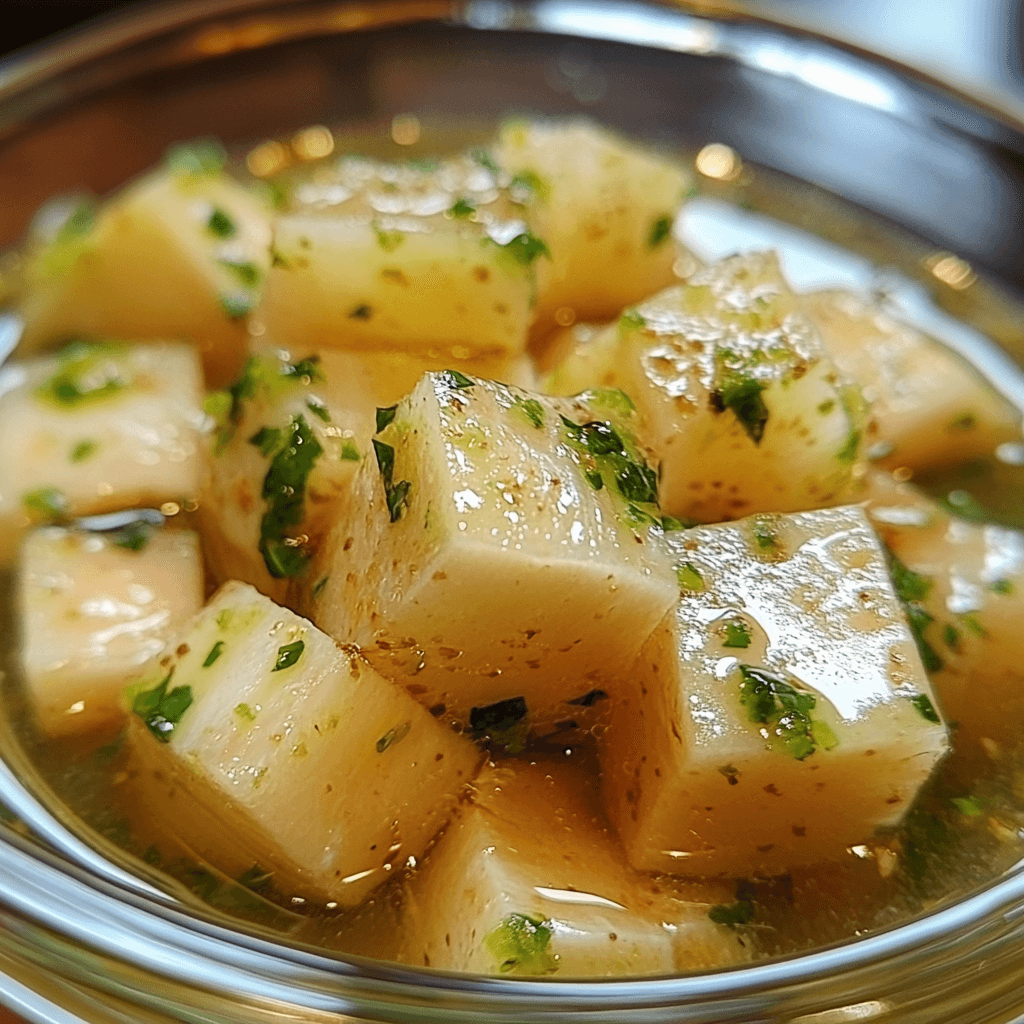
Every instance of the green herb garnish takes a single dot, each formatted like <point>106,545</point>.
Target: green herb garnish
<point>389,241</point>
<point>393,736</point>
<point>660,231</point>
<point>524,249</point>
<point>220,225</point>
<point>737,634</point>
<point>245,712</point>
<point>133,536</point>
<point>48,504</point>
<point>531,409</point>
<point>87,371</point>
<point>926,708</point>
<point>743,397</point>
<point>361,312</point>
<point>462,209</point>
<point>246,273</point>
<point>288,655</point>
<point>267,439</point>
<point>455,379</point>
<point>385,417</point>
<point>349,451</point>
<point>616,464</point>
<point>528,185</point>
<point>318,409</point>
<point>968,806</point>
<point>521,945</point>
<point>690,578</point>
<point>215,652</point>
<point>396,495</point>
<point>631,320</point>
<point>236,305</point>
<point>162,710</point>
<point>1001,587</point>
<point>773,702</point>
<point>200,157</point>
<point>284,490</point>
<point>485,160</point>
<point>83,450</point>
<point>732,914</point>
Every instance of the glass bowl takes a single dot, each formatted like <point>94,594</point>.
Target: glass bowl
<point>82,938</point>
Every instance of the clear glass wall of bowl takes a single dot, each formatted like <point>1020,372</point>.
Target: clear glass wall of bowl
<point>84,937</point>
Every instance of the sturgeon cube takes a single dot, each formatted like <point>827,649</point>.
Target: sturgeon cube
<point>97,428</point>
<point>929,407</point>
<point>739,401</point>
<point>963,584</point>
<point>782,713</point>
<point>181,253</point>
<point>502,555</point>
<point>95,608</point>
<point>528,880</point>
<point>604,207</point>
<point>292,434</point>
<point>381,256</point>
<point>258,739</point>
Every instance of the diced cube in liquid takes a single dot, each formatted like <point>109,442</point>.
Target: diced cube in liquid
<point>429,261</point>
<point>95,608</point>
<point>528,880</point>
<point>335,395</point>
<point>604,207</point>
<point>928,406</point>
<point>782,713</point>
<point>965,585</point>
<point>270,744</point>
<point>97,428</point>
<point>737,398</point>
<point>175,255</point>
<point>500,571</point>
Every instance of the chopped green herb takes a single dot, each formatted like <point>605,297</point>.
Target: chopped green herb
<point>737,634</point>
<point>526,248</point>
<point>919,621</point>
<point>909,585</point>
<point>616,464</point>
<point>521,945</point>
<point>87,371</point>
<point>531,409</point>
<point>731,773</point>
<point>689,577</point>
<point>284,490</point>
<point>969,806</point>
<point>594,479</point>
<point>926,708</point>
<point>660,232</point>
<point>455,379</point>
<point>827,406</point>
<point>396,495</point>
<point>631,320</point>
<point>48,504</point>
<point>246,273</point>
<point>245,712</point>
<point>307,371</point>
<point>951,635</point>
<point>1001,587</point>
<point>236,305</point>
<point>319,586</point>
<point>972,623</point>
<point>671,523</point>
<point>133,536</point>
<point>964,505</point>
<point>528,185</point>
<point>349,451</point>
<point>393,736</point>
<point>485,160</point>
<point>462,209</point>
<point>966,421</point>
<point>200,157</point>
<point>743,397</point>
<point>83,450</point>
<point>389,241</point>
<point>267,439</point>
<point>732,914</point>
<point>773,702</point>
<point>361,312</point>
<point>318,409</point>
<point>823,736</point>
<point>765,535</point>
<point>288,655</point>
<point>848,453</point>
<point>162,710</point>
<point>215,652</point>
<point>79,222</point>
<point>278,260</point>
<point>497,717</point>
<point>224,617</point>
<point>217,405</point>
<point>385,417</point>
<point>220,225</point>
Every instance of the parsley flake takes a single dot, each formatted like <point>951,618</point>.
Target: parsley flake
<point>926,708</point>
<point>661,230</point>
<point>161,710</point>
<point>220,225</point>
<point>288,655</point>
<point>521,945</point>
<point>743,397</point>
<point>215,652</point>
<point>737,634</point>
<point>83,450</point>
<point>396,495</point>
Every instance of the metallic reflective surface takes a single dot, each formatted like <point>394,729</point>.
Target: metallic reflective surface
<point>81,939</point>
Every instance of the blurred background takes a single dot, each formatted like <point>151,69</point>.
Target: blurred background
<point>974,43</point>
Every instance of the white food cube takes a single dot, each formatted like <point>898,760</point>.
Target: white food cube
<point>929,407</point>
<point>285,452</point>
<point>181,253</point>
<point>782,714</point>
<point>964,585</point>
<point>379,256</point>
<point>605,208</point>
<point>740,402</point>
<point>95,608</point>
<point>97,428</point>
<point>489,558</point>
<point>528,880</point>
<point>258,739</point>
